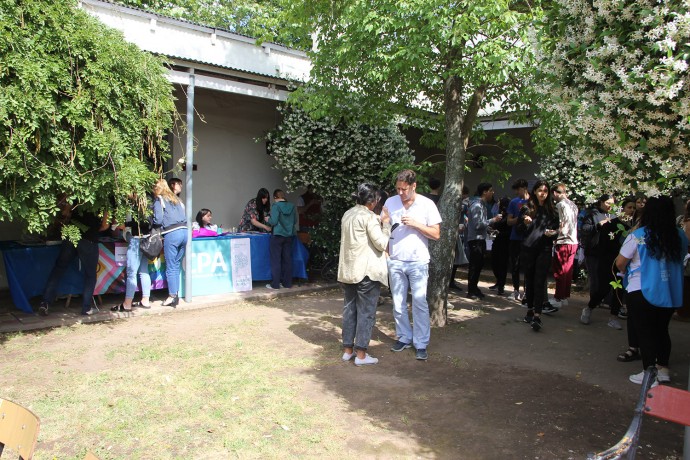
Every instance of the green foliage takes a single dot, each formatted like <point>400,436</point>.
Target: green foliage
<point>83,113</point>
<point>614,90</point>
<point>335,158</point>
<point>262,20</point>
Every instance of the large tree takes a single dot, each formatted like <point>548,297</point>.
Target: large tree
<point>615,90</point>
<point>433,63</point>
<point>83,113</point>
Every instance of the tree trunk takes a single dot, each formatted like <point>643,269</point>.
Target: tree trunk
<point>458,129</point>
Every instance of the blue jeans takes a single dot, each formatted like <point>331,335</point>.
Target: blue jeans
<point>137,263</point>
<point>87,251</point>
<point>359,312</point>
<point>414,275</point>
<point>174,245</point>
<point>281,260</point>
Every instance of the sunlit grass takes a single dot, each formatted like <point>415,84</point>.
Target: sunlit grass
<point>220,394</point>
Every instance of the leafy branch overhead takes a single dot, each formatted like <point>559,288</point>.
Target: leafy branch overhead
<point>83,113</point>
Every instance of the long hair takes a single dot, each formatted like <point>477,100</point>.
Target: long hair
<point>261,208</point>
<point>161,189</point>
<point>533,202</point>
<point>661,233</point>
<point>203,212</point>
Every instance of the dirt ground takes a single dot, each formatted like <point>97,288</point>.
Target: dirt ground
<point>491,389</point>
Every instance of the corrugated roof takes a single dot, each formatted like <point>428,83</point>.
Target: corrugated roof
<point>197,24</point>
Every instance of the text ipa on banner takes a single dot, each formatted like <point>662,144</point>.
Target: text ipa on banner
<point>220,266</point>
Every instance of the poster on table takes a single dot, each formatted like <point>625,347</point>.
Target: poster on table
<point>220,266</point>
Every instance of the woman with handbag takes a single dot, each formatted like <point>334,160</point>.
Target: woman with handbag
<point>169,215</point>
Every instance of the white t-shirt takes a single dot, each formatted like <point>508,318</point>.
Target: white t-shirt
<point>407,244</point>
<point>629,251</point>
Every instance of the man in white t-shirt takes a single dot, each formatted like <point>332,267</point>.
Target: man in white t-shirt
<point>414,219</point>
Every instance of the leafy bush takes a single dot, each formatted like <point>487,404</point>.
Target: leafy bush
<point>83,112</point>
<point>335,158</point>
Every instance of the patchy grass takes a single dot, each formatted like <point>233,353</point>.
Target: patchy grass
<point>222,394</point>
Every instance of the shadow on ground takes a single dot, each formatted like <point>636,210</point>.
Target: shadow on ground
<point>492,388</point>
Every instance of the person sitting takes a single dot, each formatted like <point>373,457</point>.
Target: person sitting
<point>256,214</point>
<point>203,225</point>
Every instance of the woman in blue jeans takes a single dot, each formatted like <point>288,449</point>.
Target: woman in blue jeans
<point>137,265</point>
<point>361,270</point>
<point>169,215</point>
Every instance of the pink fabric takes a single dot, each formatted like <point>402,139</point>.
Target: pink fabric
<point>203,232</point>
<point>563,269</point>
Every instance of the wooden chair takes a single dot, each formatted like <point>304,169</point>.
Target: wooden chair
<point>18,429</point>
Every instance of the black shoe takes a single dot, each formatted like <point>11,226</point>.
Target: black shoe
<point>524,301</point>
<point>528,318</point>
<point>475,294</point>
<point>549,309</point>
<point>536,324</point>
<point>493,288</point>
<point>400,346</point>
<point>455,286</point>
<point>500,291</point>
<point>43,309</point>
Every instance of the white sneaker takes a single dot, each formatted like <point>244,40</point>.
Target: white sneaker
<point>663,375</point>
<point>638,378</point>
<point>366,361</point>
<point>564,303</point>
<point>586,316</point>
<point>557,304</point>
<point>268,286</point>
<point>615,324</point>
<point>348,356</point>
<point>516,296</point>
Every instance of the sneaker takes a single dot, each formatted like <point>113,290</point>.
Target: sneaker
<point>43,309</point>
<point>516,296</point>
<point>89,312</point>
<point>421,354</point>
<point>586,316</point>
<point>493,288</point>
<point>528,318</point>
<point>366,361</point>
<point>268,286</point>
<point>663,375</point>
<point>615,324</point>
<point>564,303</point>
<point>500,291</point>
<point>557,304</point>
<point>623,314</point>
<point>536,324</point>
<point>549,309</point>
<point>638,378</point>
<point>400,346</point>
<point>348,356</point>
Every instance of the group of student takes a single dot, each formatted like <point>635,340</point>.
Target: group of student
<point>641,248</point>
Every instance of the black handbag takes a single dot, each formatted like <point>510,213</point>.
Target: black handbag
<point>152,244</point>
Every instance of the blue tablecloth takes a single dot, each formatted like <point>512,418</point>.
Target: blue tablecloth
<point>28,267</point>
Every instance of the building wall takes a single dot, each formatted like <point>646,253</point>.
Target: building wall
<point>231,165</point>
